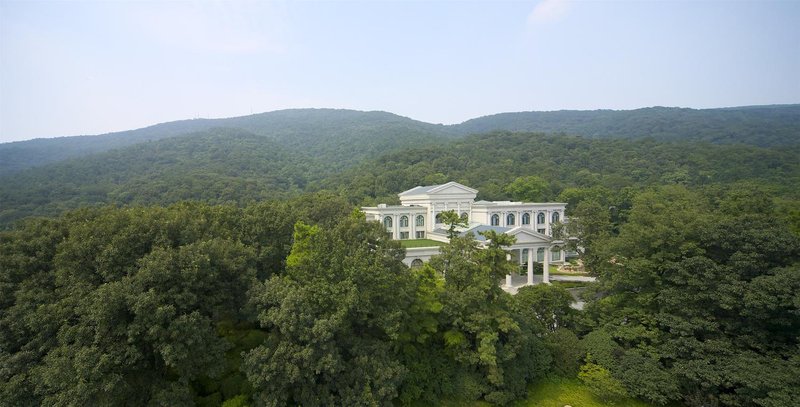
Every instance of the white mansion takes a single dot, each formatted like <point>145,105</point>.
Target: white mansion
<point>418,217</point>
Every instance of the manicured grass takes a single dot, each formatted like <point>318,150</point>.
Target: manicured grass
<point>420,243</point>
<point>558,392</point>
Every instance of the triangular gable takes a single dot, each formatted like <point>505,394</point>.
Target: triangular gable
<point>452,187</point>
<point>418,190</point>
<point>525,235</point>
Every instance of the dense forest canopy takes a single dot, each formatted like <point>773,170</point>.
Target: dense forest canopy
<point>346,136</point>
<point>231,166</point>
<point>223,267</point>
<point>304,302</point>
<point>755,125</point>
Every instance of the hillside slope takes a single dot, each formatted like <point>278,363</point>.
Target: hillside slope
<point>216,166</point>
<point>342,137</point>
<point>231,165</point>
<point>345,137</point>
<point>777,125</point>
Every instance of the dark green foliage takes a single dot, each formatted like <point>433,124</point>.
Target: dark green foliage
<point>111,306</point>
<point>756,125</point>
<point>546,305</point>
<point>566,350</point>
<point>328,134</point>
<point>334,318</point>
<point>496,351</point>
<point>703,302</point>
<point>222,166</point>
<point>608,172</point>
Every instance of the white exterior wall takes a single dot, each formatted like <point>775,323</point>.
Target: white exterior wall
<point>421,253</point>
<point>429,201</point>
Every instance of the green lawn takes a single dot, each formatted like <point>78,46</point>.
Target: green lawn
<point>420,243</point>
<point>558,392</point>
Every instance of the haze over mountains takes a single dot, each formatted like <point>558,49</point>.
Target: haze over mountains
<point>351,135</point>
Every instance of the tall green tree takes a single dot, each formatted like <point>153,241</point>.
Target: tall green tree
<point>529,188</point>
<point>335,319</point>
<point>701,303</point>
<point>452,220</point>
<point>496,350</point>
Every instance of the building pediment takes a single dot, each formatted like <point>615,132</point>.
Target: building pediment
<point>525,235</point>
<point>448,189</point>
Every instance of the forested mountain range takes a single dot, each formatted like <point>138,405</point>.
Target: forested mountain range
<point>234,166</point>
<point>777,125</point>
<point>346,136</point>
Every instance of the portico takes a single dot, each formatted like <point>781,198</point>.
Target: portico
<point>533,247</point>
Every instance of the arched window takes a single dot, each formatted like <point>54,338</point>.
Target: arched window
<point>555,253</point>
<point>540,255</point>
<point>495,220</point>
<point>404,221</point>
<point>439,217</point>
<point>524,255</point>
<point>387,222</point>
<point>420,220</point>
<point>540,218</point>
<point>416,263</point>
<point>465,216</point>
<point>556,216</point>
<point>526,218</point>
<point>510,219</point>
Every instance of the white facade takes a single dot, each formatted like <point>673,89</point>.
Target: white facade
<point>417,218</point>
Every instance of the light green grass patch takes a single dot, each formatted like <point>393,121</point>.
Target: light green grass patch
<point>559,392</point>
<point>420,243</point>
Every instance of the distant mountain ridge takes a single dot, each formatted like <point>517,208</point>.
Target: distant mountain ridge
<point>353,134</point>
<point>763,126</point>
<point>347,136</point>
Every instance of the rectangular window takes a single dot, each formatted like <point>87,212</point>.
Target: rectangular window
<point>540,231</point>
<point>420,235</point>
<point>403,235</point>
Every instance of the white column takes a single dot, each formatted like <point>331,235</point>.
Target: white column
<point>509,283</point>
<point>530,265</point>
<point>547,224</point>
<point>546,270</point>
<point>412,226</point>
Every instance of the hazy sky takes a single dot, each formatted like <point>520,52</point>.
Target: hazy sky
<point>90,67</point>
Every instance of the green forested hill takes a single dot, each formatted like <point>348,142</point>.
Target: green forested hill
<point>491,162</point>
<point>230,165</point>
<point>217,166</point>
<point>341,136</point>
<point>756,125</point>
<point>344,137</point>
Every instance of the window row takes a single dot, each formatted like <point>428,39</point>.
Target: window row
<point>511,219</point>
<point>387,221</point>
